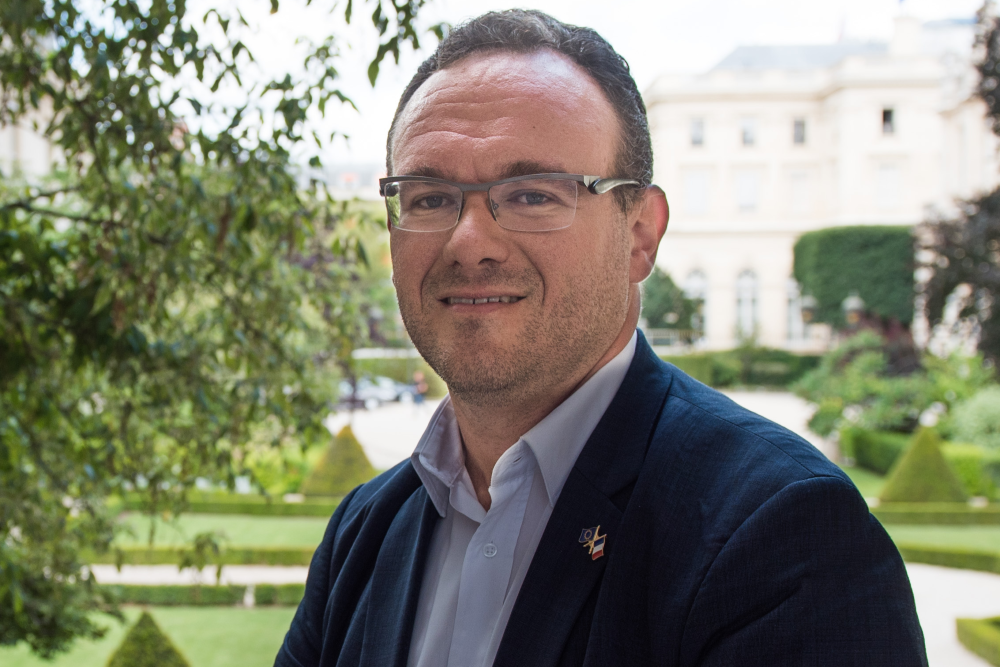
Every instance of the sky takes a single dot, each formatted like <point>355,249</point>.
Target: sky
<point>654,36</point>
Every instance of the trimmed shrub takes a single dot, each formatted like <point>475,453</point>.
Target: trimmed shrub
<point>286,595</point>
<point>937,514</point>
<point>957,557</point>
<point>232,503</point>
<point>922,474</point>
<point>698,366</point>
<point>872,450</point>
<point>981,636</point>
<point>141,555</point>
<point>342,467</point>
<point>187,596</point>
<point>977,419</point>
<point>766,367</point>
<point>145,645</point>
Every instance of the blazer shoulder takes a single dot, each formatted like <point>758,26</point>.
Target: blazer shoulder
<point>397,480</point>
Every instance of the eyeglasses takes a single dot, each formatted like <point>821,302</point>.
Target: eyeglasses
<point>533,203</point>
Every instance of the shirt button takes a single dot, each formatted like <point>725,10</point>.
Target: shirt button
<point>490,550</point>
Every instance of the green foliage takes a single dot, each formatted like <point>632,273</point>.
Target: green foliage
<point>981,636</point>
<point>858,384</point>
<point>145,645</point>
<point>342,467</point>
<point>193,596</point>
<point>174,287</point>
<point>663,303</point>
<point>977,419</point>
<point>288,595</point>
<point>876,262</point>
<point>922,474</point>
<point>950,556</point>
<point>876,451</point>
<point>937,514</point>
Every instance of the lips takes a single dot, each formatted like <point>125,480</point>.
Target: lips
<point>475,301</point>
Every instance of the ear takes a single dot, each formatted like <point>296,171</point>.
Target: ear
<point>648,228</point>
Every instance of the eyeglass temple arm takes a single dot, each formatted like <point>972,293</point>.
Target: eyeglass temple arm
<point>601,185</point>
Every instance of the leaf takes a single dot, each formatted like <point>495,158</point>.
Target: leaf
<point>274,6</point>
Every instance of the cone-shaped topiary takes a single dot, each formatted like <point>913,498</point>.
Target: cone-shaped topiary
<point>922,475</point>
<point>145,645</point>
<point>342,467</point>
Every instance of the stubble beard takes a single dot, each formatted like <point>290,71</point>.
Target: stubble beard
<point>487,368</point>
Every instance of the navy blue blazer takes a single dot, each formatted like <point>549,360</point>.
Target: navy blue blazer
<point>730,541</point>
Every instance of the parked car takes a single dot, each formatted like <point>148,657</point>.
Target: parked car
<point>373,392</point>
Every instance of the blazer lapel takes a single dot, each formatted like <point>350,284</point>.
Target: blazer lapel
<point>395,583</point>
<point>563,573</point>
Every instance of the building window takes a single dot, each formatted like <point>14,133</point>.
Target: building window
<point>887,182</point>
<point>799,131</point>
<point>796,327</point>
<point>696,191</point>
<point>888,121</point>
<point>748,131</point>
<point>697,131</point>
<point>747,185</point>
<point>746,304</point>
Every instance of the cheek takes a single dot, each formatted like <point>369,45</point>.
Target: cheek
<point>411,260</point>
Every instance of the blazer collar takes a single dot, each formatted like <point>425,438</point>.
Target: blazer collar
<point>563,574</point>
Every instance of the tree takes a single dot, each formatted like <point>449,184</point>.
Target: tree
<point>177,282</point>
<point>961,255</point>
<point>663,303</point>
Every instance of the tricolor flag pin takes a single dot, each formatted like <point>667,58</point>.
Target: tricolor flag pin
<point>593,540</point>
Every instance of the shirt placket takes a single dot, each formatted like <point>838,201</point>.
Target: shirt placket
<point>489,559</point>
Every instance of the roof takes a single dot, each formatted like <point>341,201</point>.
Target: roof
<point>804,57</point>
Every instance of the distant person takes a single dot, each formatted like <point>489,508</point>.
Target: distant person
<point>420,388</point>
<point>574,500</point>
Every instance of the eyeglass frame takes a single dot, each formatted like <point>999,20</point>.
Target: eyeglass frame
<point>596,185</point>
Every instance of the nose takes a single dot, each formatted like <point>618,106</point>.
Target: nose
<point>477,238</point>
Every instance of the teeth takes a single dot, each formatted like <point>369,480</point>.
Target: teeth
<point>456,300</point>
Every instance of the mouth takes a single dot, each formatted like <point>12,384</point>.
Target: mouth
<point>475,301</point>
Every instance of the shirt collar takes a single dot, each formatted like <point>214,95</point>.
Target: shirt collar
<point>556,441</point>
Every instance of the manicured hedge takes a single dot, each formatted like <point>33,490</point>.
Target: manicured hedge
<point>231,556</point>
<point>981,636</point>
<point>921,475</point>
<point>146,645</point>
<point>767,367</point>
<point>940,514</point>
<point>287,595</point>
<point>189,596</point>
<point>957,557</point>
<point>231,503</point>
<point>872,450</point>
<point>874,261</point>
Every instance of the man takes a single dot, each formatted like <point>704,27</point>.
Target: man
<point>575,500</point>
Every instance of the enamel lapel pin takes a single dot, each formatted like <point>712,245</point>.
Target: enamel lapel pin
<point>592,539</point>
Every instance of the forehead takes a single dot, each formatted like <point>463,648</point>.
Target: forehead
<point>474,120</point>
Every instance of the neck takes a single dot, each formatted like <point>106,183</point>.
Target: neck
<point>489,431</point>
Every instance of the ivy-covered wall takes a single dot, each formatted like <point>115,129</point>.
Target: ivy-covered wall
<point>874,261</point>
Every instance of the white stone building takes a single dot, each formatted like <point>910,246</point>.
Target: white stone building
<point>776,141</point>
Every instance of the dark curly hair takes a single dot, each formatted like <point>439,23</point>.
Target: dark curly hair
<point>525,31</point>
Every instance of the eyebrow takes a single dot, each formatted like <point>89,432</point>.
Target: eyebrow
<point>510,170</point>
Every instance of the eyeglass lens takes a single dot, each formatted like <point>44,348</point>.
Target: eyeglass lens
<point>525,206</point>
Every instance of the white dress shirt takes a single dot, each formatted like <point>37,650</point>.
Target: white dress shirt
<point>478,559</point>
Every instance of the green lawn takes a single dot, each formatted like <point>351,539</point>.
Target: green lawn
<point>973,537</point>
<point>868,483</point>
<point>238,529</point>
<point>207,636</point>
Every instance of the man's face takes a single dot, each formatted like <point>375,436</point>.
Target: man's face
<point>485,118</point>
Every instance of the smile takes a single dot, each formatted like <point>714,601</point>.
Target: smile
<point>457,300</point>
